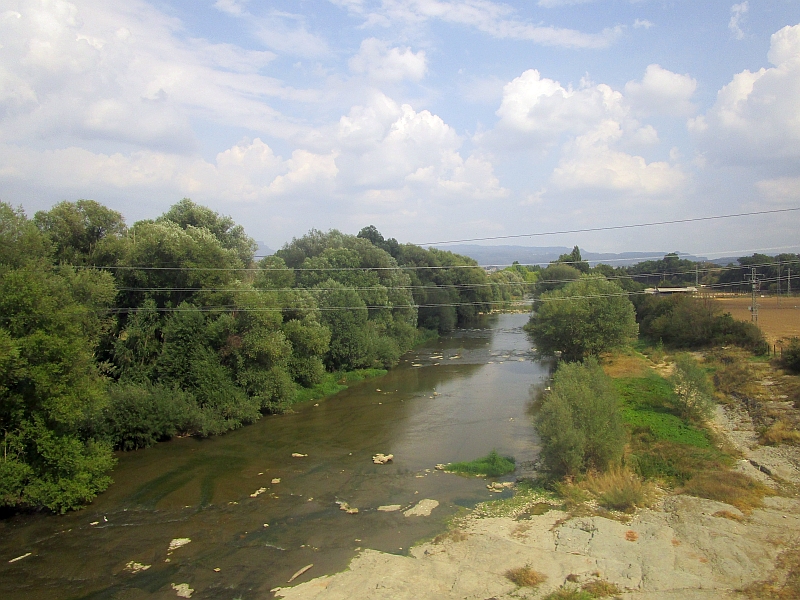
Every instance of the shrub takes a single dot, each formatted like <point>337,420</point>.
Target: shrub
<point>579,422</point>
<point>568,594</point>
<point>791,355</point>
<point>491,465</point>
<point>525,577</point>
<point>693,392</point>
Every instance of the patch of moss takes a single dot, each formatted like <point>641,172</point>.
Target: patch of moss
<point>491,465</point>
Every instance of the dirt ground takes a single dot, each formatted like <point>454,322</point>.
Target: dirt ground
<point>778,319</point>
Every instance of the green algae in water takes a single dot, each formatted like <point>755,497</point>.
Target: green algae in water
<point>491,465</point>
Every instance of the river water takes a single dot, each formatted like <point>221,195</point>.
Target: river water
<point>454,399</point>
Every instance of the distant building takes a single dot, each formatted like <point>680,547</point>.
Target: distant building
<point>669,291</point>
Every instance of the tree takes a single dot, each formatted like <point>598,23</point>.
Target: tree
<point>580,422</point>
<point>586,317</point>
<point>693,390</point>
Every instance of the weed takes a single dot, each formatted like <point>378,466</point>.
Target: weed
<point>729,487</point>
<point>726,514</point>
<point>456,535</point>
<point>491,465</point>
<point>780,432</point>
<point>525,576</point>
<point>567,594</point>
<point>601,589</point>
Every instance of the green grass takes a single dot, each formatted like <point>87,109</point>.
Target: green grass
<point>647,404</point>
<point>491,465</point>
<point>333,383</point>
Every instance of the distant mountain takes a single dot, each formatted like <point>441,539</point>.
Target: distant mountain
<point>263,250</point>
<point>533,255</point>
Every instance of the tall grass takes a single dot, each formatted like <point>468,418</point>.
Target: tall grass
<point>617,489</point>
<point>729,487</point>
<point>491,465</point>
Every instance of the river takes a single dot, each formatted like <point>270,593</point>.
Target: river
<point>453,399</point>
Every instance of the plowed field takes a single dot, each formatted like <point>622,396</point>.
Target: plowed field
<point>778,320</point>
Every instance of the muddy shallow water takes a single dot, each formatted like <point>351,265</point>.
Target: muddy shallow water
<point>456,398</point>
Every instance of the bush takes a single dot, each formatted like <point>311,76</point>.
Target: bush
<point>791,355</point>
<point>141,415</point>
<point>491,465</point>
<point>580,422</point>
<point>616,489</point>
<point>693,392</point>
<point>586,317</point>
<point>780,432</point>
<point>525,577</point>
<point>682,321</point>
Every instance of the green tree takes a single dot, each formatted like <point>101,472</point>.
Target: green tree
<point>586,317</point>
<point>83,232</point>
<point>580,422</point>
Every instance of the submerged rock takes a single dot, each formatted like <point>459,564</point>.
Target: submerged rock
<point>390,508</point>
<point>183,590</point>
<point>258,492</point>
<point>136,567</point>
<point>177,543</point>
<point>346,507</point>
<point>382,459</point>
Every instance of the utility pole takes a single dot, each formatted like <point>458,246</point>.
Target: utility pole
<point>752,277</point>
<point>789,282</point>
<point>779,282</point>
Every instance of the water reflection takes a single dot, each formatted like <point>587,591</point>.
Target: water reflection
<point>471,394</point>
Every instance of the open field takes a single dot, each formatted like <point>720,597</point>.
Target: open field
<point>777,321</point>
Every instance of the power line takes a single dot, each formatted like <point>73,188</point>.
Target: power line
<point>615,227</point>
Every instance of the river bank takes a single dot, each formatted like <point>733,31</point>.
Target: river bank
<point>682,547</point>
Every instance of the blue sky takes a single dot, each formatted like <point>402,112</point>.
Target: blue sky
<point>431,119</point>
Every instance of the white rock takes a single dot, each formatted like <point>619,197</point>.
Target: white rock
<point>422,509</point>
<point>177,543</point>
<point>183,590</point>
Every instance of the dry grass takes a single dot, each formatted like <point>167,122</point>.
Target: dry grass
<point>625,365</point>
<point>780,432</point>
<point>729,487</point>
<point>619,489</point>
<point>601,589</point>
<point>726,514</point>
<point>568,594</point>
<point>525,576</point>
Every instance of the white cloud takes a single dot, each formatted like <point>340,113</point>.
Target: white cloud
<point>380,62</point>
<point>539,110</point>
<point>642,23</point>
<point>780,189</point>
<point>662,92</point>
<point>95,71</point>
<point>738,12</point>
<point>591,163</point>
<point>492,18</point>
<point>756,117</point>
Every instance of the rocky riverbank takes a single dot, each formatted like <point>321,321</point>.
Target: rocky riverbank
<point>683,547</point>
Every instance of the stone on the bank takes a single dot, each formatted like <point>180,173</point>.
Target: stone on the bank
<point>183,590</point>
<point>422,509</point>
<point>382,459</point>
<point>496,486</point>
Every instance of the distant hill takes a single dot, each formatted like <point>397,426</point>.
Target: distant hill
<point>263,250</point>
<point>532,255</point>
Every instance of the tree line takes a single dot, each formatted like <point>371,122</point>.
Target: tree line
<point>115,337</point>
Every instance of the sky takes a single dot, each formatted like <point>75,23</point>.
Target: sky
<point>433,120</point>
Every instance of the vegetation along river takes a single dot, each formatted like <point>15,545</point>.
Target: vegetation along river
<point>454,399</point>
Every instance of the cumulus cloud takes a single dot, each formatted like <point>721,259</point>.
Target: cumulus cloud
<point>738,12</point>
<point>756,117</point>
<point>542,109</point>
<point>662,92</point>
<point>380,62</point>
<point>91,71</point>
<point>642,23</point>
<point>591,163</point>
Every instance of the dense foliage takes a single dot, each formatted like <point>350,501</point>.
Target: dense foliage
<point>682,321</point>
<point>585,317</point>
<point>580,422</point>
